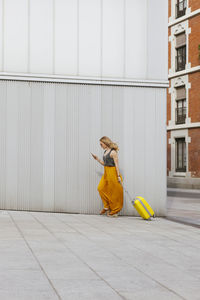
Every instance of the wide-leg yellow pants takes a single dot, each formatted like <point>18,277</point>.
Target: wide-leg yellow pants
<point>110,190</point>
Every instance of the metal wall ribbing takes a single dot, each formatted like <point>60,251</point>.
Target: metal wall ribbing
<point>48,130</point>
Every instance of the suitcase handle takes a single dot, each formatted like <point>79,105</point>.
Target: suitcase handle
<point>126,191</point>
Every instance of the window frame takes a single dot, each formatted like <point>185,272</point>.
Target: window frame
<point>180,118</point>
<point>181,12</point>
<point>180,142</point>
<point>180,66</point>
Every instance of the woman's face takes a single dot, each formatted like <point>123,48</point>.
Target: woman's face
<point>103,145</point>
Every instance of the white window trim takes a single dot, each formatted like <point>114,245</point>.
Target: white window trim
<point>184,126</point>
<point>179,28</point>
<point>177,82</point>
<point>184,72</point>
<point>178,134</point>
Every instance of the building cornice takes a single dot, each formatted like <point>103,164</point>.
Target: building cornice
<point>183,126</point>
<point>184,18</point>
<point>184,72</point>
<point>84,80</point>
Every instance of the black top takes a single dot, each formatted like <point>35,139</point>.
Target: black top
<point>108,161</point>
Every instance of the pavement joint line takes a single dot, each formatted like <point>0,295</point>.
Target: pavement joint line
<point>110,221</point>
<point>142,271</point>
<point>162,235</point>
<point>149,253</point>
<point>22,235</point>
<point>68,248</point>
<point>167,219</point>
<point>148,276</point>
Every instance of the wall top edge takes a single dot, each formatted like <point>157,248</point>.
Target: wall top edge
<point>84,80</point>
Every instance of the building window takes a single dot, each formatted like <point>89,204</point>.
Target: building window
<point>180,52</point>
<point>180,155</point>
<point>181,8</point>
<point>180,105</point>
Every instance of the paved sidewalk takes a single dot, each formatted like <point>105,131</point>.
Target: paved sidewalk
<point>63,256</point>
<point>183,205</point>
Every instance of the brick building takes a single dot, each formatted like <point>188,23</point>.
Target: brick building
<point>183,99</point>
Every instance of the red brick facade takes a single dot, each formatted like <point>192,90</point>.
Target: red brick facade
<point>194,97</point>
<point>169,50</point>
<point>169,8</point>
<point>192,136</point>
<point>194,40</point>
<point>194,152</point>
<point>194,4</point>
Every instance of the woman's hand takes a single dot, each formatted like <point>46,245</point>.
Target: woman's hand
<point>94,156</point>
<point>119,179</point>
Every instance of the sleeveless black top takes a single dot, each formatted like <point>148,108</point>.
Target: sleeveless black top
<point>108,161</point>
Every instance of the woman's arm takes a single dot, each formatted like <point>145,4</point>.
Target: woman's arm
<point>96,158</point>
<point>114,155</point>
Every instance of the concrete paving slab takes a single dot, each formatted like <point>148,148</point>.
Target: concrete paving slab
<point>66,256</point>
<point>22,283</point>
<point>86,290</point>
<point>156,294</point>
<point>183,205</point>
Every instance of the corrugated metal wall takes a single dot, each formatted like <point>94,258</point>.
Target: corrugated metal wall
<point>48,130</point>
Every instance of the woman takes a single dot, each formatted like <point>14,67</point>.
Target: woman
<point>110,188</point>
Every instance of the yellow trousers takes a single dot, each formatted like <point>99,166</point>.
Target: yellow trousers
<point>110,190</point>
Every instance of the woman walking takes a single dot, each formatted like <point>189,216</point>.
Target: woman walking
<point>110,188</point>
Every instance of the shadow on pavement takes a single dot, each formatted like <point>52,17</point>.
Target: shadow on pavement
<point>183,206</point>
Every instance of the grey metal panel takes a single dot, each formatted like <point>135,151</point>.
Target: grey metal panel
<point>73,145</point>
<point>161,148</point>
<point>48,148</point>
<point>48,131</point>
<point>129,148</point>
<point>24,146</point>
<point>117,124</point>
<point>106,111</point>
<point>84,146</point>
<point>95,134</point>
<point>11,145</point>
<point>150,146</point>
<point>37,140</point>
<point>3,100</point>
<point>60,147</point>
<point>139,138</point>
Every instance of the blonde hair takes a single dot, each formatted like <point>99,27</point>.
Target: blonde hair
<point>109,143</point>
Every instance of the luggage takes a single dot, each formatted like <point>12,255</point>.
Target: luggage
<point>142,206</point>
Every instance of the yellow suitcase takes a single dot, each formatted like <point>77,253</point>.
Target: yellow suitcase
<point>143,208</point>
<point>141,205</point>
